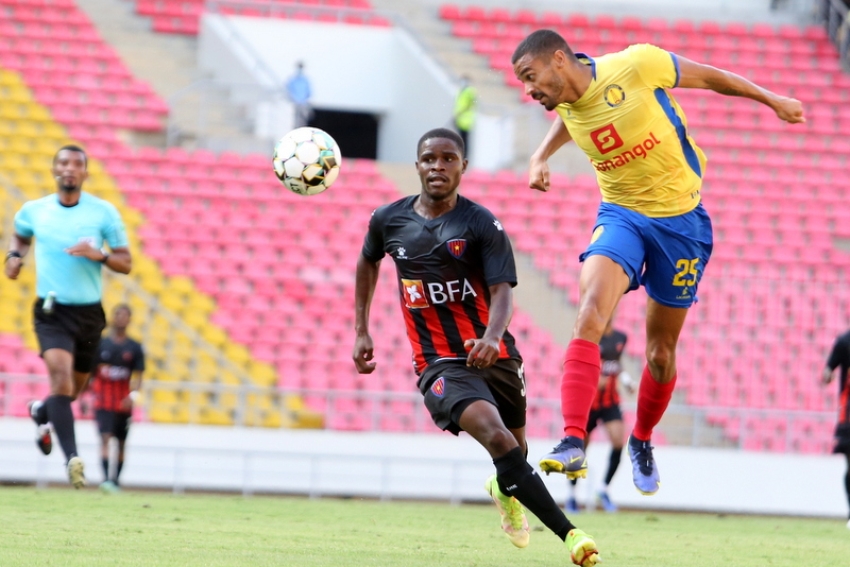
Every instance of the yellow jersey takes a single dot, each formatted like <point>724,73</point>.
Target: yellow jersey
<point>635,133</point>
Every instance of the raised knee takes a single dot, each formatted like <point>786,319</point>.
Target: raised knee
<point>501,441</point>
<point>590,323</point>
<point>661,360</point>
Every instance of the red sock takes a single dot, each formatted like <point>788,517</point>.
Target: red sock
<point>578,385</point>
<point>653,399</point>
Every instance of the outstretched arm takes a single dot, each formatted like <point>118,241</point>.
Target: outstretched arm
<point>364,291</point>
<point>538,174</point>
<point>694,75</point>
<point>484,352</point>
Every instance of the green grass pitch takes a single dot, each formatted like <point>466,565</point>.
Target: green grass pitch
<point>64,528</point>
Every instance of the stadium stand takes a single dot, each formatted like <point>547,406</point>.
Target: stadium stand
<point>266,275</point>
<point>272,266</point>
<point>775,295</point>
<point>64,61</point>
<point>29,136</point>
<point>183,16</point>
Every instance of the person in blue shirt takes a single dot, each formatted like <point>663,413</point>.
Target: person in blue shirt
<point>71,228</point>
<point>299,93</point>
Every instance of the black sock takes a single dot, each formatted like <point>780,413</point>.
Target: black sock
<point>613,463</point>
<point>60,415</point>
<point>105,464</point>
<point>517,478</point>
<point>41,414</point>
<point>118,466</point>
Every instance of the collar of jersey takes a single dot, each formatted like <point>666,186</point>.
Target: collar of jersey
<point>587,60</point>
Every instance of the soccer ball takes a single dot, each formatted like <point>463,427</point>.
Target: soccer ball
<point>306,160</point>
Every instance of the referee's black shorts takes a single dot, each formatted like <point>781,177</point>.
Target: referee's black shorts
<point>450,387</point>
<point>74,328</point>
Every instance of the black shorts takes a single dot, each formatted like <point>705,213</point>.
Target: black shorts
<point>75,328</point>
<point>113,423</point>
<point>842,439</point>
<point>449,387</point>
<point>605,414</point>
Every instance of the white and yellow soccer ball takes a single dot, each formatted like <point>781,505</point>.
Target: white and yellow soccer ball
<point>307,160</point>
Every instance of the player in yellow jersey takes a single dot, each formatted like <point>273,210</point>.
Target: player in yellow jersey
<point>651,229</point>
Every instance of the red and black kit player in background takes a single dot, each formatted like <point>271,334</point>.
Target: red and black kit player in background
<point>456,274</point>
<point>120,364</point>
<point>606,408</point>
<point>839,358</point>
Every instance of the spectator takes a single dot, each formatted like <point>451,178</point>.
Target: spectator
<point>465,108</point>
<point>299,93</point>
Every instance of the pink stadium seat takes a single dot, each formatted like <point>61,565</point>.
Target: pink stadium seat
<point>551,20</point>
<point>751,155</point>
<point>449,12</point>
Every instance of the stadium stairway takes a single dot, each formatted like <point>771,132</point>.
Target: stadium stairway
<point>183,346</point>
<point>200,113</point>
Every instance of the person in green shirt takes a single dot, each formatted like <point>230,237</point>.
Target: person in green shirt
<point>465,108</point>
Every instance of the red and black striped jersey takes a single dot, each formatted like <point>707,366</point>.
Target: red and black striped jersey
<point>839,357</point>
<point>610,350</point>
<point>445,267</point>
<point>115,366</point>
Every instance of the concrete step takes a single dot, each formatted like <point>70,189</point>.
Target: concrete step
<point>169,64</point>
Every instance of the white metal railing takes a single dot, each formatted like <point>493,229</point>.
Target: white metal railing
<point>684,425</point>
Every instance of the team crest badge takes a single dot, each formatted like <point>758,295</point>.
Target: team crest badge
<point>614,95</point>
<point>438,388</point>
<point>456,247</point>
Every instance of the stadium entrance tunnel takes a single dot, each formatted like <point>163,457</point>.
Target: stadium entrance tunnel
<point>356,133</point>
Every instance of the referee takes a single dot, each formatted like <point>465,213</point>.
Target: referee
<point>71,228</point>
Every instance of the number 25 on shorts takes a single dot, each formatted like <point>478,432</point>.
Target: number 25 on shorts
<point>686,268</point>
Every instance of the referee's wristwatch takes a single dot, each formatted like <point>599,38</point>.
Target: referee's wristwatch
<point>13,254</point>
<point>105,257</point>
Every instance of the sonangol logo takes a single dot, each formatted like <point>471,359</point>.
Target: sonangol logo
<point>438,387</point>
<point>606,139</point>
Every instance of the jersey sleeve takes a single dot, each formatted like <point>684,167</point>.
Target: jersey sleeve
<point>113,230</point>
<point>99,354</point>
<point>23,222</point>
<point>657,67</point>
<point>373,243</point>
<point>139,359</point>
<point>497,254</point>
<point>839,353</point>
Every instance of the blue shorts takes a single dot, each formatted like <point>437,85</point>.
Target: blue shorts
<point>666,255</point>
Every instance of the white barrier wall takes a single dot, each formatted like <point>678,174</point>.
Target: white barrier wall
<point>375,70</point>
<point>436,466</point>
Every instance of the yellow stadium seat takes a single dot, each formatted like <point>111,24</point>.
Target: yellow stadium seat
<point>164,397</point>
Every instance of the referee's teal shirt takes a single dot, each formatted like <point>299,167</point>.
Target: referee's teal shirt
<point>75,280</point>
